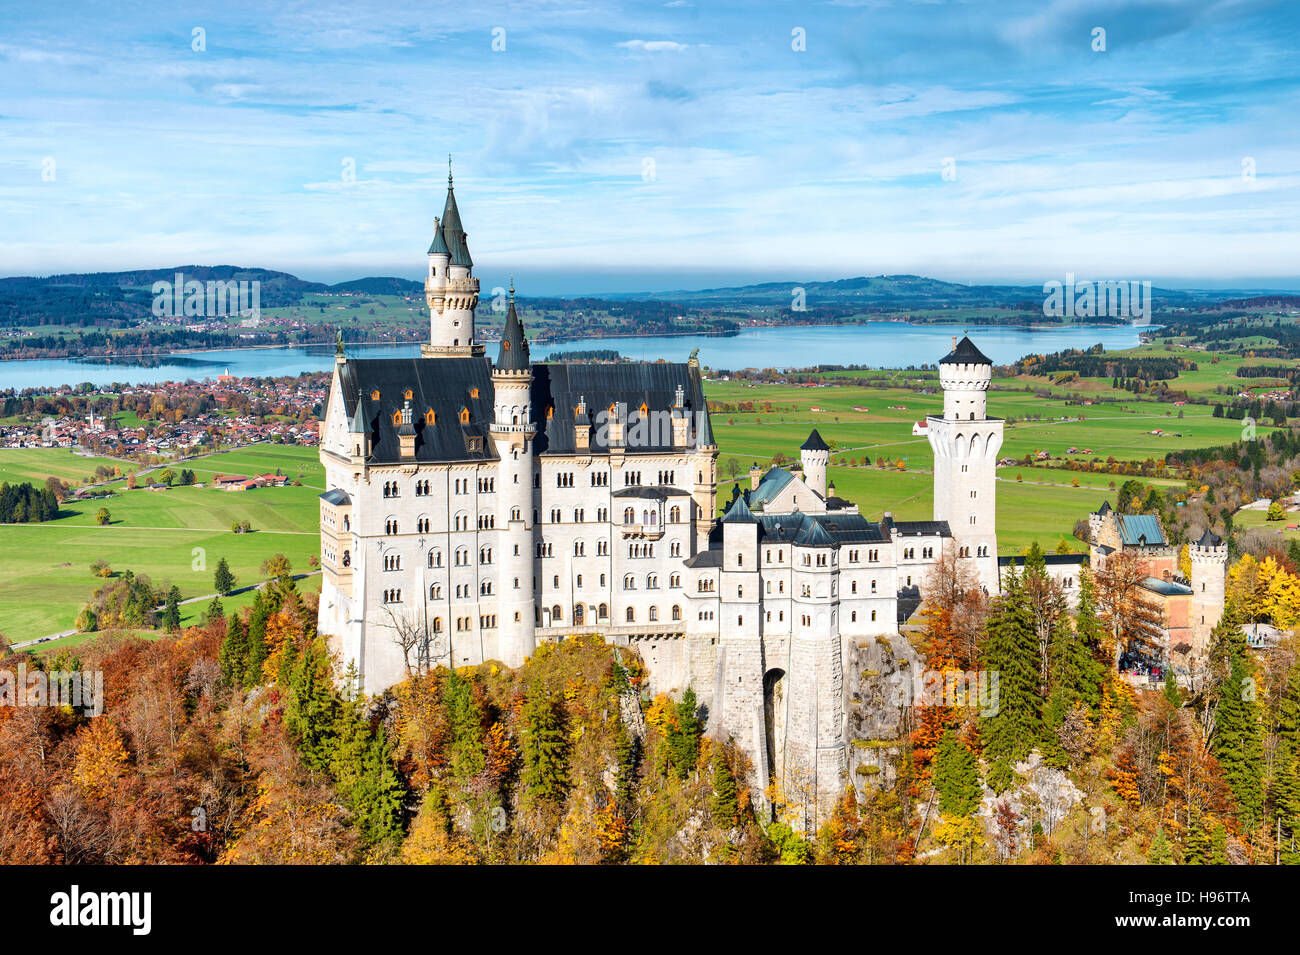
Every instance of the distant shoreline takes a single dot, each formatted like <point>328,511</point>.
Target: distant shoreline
<point>728,333</point>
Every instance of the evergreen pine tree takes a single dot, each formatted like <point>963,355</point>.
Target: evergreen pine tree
<point>1159,853</point>
<point>1219,845</point>
<point>1236,743</point>
<point>311,712</point>
<point>544,746</point>
<point>1011,651</point>
<point>171,618</point>
<point>234,651</point>
<point>467,753</point>
<point>684,735</point>
<point>362,767</point>
<point>1196,844</point>
<point>257,650</point>
<point>223,581</point>
<point>723,804</point>
<point>956,777</point>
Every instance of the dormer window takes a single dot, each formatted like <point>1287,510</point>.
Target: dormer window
<point>374,395</point>
<point>407,394</point>
<point>397,418</point>
<point>430,418</point>
<point>473,392</point>
<point>464,416</point>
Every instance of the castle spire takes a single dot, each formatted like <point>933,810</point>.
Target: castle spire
<point>513,355</point>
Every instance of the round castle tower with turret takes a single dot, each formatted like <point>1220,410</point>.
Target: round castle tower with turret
<point>966,441</point>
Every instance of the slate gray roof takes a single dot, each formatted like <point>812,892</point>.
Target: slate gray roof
<point>337,497</point>
<point>453,233</point>
<point>965,354</point>
<point>1209,540</point>
<point>814,442</point>
<point>769,487</point>
<point>651,493</point>
<point>919,528</point>
<point>513,353</point>
<point>442,385</point>
<point>439,244</point>
<point>624,384</point>
<point>446,386</point>
<point>739,513</point>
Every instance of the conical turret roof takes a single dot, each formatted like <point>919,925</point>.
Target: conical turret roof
<point>513,355</point>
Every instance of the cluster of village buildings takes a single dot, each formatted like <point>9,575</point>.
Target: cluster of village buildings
<point>278,410</point>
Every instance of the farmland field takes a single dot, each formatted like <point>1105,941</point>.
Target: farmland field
<point>37,464</point>
<point>174,536</point>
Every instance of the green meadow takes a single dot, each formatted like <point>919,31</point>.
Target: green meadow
<point>34,465</point>
<point>174,536</point>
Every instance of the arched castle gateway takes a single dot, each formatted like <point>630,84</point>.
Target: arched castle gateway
<point>476,507</point>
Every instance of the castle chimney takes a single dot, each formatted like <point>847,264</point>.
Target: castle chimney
<point>406,433</point>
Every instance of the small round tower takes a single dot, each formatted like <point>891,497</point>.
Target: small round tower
<point>964,375</point>
<point>512,432</point>
<point>815,456</point>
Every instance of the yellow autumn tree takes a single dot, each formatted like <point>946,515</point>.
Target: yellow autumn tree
<point>101,757</point>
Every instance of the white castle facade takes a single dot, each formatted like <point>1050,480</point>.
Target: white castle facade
<point>475,508</point>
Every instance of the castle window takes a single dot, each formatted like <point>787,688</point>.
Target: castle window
<point>374,395</point>
<point>873,615</point>
<point>397,417</point>
<point>677,612</point>
<point>430,418</point>
<point>407,394</point>
<point>654,614</point>
<point>853,617</point>
<point>473,393</point>
<point>602,611</point>
<point>630,615</point>
<point>464,416</point>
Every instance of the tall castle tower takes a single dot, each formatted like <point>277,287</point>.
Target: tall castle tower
<point>815,456</point>
<point>450,289</point>
<point>1209,572</point>
<point>966,442</point>
<point>512,432</point>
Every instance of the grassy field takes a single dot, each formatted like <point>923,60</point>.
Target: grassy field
<point>174,536</point>
<point>37,464</point>
<point>864,424</point>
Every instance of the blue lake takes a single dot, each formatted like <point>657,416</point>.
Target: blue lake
<point>875,344</point>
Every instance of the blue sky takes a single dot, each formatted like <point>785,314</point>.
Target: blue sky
<point>658,145</point>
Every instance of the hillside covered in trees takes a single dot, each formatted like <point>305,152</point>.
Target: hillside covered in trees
<point>239,742</point>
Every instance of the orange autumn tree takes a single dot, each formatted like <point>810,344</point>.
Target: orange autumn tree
<point>101,758</point>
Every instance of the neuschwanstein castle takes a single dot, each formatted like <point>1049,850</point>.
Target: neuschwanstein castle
<point>478,506</point>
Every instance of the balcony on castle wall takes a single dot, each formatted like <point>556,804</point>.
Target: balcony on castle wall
<point>643,531</point>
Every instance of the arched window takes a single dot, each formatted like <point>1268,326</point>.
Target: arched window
<point>677,612</point>
<point>654,614</point>
<point>602,611</point>
<point>631,615</point>
<point>629,516</point>
<point>556,615</point>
